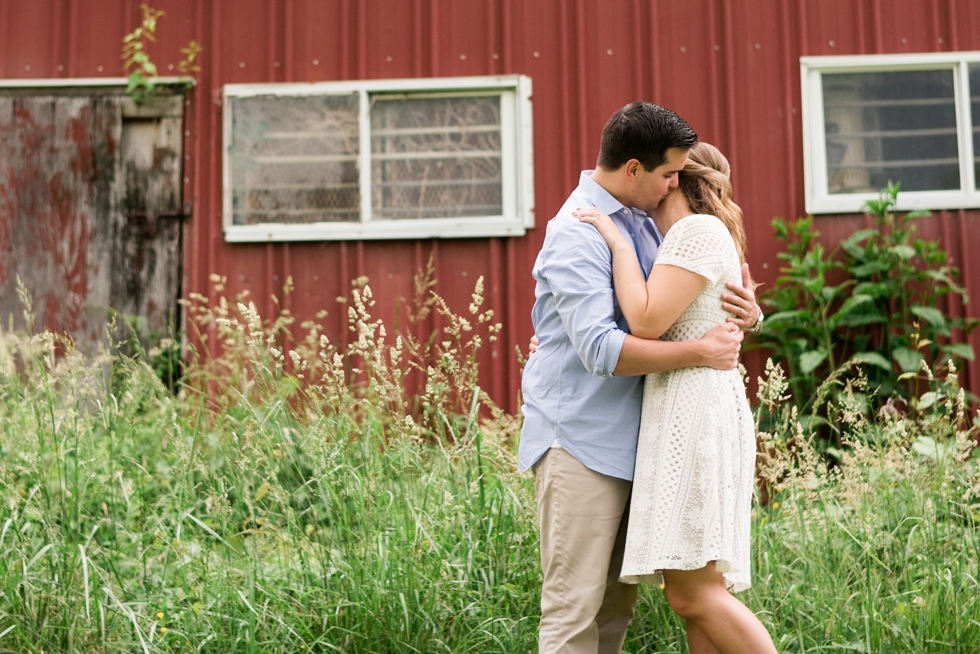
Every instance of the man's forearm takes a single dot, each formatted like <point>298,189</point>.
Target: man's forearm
<point>642,357</point>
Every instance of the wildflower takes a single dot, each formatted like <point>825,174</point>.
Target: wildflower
<point>775,505</point>
<point>661,586</point>
<point>160,615</point>
<point>163,630</point>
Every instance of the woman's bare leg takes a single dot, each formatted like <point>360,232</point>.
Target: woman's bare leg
<point>703,600</point>
<point>697,641</point>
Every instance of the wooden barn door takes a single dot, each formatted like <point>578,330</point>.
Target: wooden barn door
<point>90,211</point>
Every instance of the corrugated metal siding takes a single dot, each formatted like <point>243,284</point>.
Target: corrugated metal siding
<point>730,67</point>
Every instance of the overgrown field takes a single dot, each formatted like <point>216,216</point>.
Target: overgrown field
<point>272,506</point>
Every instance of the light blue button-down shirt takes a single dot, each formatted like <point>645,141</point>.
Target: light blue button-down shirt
<point>570,393</point>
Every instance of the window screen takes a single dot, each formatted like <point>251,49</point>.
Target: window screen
<point>435,157</point>
<point>891,126</point>
<point>294,159</point>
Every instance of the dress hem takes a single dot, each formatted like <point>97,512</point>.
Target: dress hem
<point>735,580</point>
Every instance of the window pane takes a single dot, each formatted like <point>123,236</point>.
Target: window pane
<point>294,159</point>
<point>975,114</point>
<point>892,126</point>
<point>436,157</point>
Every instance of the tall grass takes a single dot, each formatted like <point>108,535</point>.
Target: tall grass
<point>292,498</point>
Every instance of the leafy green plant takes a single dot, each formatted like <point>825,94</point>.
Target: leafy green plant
<point>875,301</point>
<point>143,73</point>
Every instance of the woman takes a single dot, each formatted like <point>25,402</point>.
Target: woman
<point>692,489</point>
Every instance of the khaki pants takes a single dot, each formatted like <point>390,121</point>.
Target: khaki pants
<point>583,516</point>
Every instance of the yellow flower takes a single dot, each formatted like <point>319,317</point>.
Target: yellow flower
<point>163,630</point>
<point>661,586</point>
<point>775,505</point>
<point>160,615</point>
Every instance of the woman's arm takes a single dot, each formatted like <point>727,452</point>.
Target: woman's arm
<point>651,306</point>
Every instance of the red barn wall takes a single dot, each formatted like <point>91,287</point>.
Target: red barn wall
<point>730,67</point>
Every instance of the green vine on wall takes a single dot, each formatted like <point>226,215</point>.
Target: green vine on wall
<point>142,72</point>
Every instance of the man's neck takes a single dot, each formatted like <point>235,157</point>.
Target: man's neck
<point>611,181</point>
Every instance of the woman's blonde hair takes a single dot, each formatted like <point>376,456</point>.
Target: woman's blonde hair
<point>706,182</point>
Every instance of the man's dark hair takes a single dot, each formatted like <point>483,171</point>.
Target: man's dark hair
<point>643,131</point>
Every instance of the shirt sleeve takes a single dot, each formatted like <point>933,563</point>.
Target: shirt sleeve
<point>697,243</point>
<point>578,271</point>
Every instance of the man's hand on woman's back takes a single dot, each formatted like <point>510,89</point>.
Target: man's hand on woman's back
<point>741,302</point>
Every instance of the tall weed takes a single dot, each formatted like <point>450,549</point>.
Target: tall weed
<point>293,497</point>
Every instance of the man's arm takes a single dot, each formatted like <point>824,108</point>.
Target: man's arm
<point>718,349</point>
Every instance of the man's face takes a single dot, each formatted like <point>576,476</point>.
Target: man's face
<point>651,187</point>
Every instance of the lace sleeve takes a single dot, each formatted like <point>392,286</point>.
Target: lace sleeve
<point>697,243</point>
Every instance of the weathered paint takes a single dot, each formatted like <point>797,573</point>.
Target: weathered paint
<point>147,253</point>
<point>84,191</point>
<point>731,67</point>
<point>51,148</point>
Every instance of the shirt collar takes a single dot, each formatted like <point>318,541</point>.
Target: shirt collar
<point>607,204</point>
<point>600,197</point>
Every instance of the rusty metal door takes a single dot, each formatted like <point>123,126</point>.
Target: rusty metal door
<point>90,208</point>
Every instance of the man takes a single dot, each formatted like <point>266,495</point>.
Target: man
<point>583,386</point>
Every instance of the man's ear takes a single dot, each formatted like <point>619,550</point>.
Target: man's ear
<point>630,169</point>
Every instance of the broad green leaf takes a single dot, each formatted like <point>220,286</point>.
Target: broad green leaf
<point>873,358</point>
<point>927,446</point>
<point>961,350</point>
<point>860,235</point>
<point>810,360</point>
<point>903,252</point>
<point>874,289</point>
<point>852,244</point>
<point>870,268</point>
<point>926,401</point>
<point>828,292</point>
<point>783,315</point>
<point>944,278</point>
<point>836,453</point>
<point>855,300</point>
<point>931,315</point>
<point>865,315</point>
<point>907,359</point>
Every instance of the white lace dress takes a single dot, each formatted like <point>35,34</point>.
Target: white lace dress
<point>695,462</point>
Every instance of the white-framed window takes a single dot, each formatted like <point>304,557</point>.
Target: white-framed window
<point>378,159</point>
<point>909,118</point>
